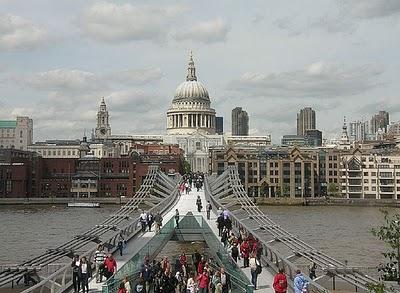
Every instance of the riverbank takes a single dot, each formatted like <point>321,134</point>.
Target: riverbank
<point>62,200</point>
<point>328,201</point>
<point>279,201</point>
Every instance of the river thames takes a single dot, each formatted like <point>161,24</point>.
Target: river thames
<point>342,232</point>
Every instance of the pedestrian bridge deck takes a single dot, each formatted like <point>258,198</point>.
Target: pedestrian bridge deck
<point>186,203</point>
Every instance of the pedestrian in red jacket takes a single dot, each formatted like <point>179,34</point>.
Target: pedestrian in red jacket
<point>111,265</point>
<point>203,280</point>
<point>280,282</point>
<point>245,251</point>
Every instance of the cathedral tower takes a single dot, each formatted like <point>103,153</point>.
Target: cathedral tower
<point>103,129</point>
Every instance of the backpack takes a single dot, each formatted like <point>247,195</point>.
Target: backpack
<point>259,267</point>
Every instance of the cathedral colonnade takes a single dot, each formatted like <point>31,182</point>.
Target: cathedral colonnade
<point>192,120</point>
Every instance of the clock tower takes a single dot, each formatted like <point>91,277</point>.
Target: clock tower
<point>103,129</point>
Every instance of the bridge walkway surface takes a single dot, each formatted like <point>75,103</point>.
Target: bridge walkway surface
<point>185,204</point>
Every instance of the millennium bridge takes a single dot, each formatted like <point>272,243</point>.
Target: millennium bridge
<point>51,271</point>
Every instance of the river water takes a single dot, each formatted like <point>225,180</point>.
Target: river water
<point>342,232</point>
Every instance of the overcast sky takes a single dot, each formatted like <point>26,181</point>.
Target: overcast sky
<point>58,58</point>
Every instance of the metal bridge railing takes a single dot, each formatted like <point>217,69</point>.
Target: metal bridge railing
<point>122,220</point>
<point>226,191</point>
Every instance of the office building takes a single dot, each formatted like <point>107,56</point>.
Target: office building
<point>240,122</point>
<point>305,120</point>
<point>380,121</point>
<point>219,125</point>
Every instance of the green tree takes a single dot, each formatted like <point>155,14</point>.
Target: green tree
<point>390,234</point>
<point>286,190</point>
<point>376,288</point>
<point>333,189</point>
<point>186,167</point>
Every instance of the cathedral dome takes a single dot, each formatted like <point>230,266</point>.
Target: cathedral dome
<point>191,90</point>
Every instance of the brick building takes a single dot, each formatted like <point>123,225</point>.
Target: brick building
<point>25,174</point>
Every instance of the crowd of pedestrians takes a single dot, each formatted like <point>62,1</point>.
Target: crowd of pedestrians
<point>191,180</point>
<point>184,275</point>
<point>147,219</point>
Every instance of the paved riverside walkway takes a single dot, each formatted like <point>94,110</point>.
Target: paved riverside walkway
<point>186,203</point>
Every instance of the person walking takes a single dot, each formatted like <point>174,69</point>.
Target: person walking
<point>203,280</point>
<point>235,252</point>
<point>99,257</point>
<point>300,283</point>
<point>85,273</point>
<point>110,266</point>
<point>255,266</point>
<point>76,278</point>
<point>225,281</point>
<point>143,221</point>
<point>280,282</point>
<point>208,209</point>
<point>146,273</point>
<point>158,222</point>
<point>127,285</point>
<point>150,220</point>
<point>191,284</point>
<point>220,224</point>
<point>312,270</point>
<point>121,288</point>
<point>121,242</point>
<point>198,203</point>
<point>177,218</point>
<point>245,251</point>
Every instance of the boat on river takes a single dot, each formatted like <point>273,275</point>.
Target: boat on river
<point>83,204</point>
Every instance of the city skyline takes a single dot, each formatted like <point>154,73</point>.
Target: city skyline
<point>58,60</point>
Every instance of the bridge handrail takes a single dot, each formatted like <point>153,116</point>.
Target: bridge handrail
<point>299,247</point>
<point>131,230</point>
<point>279,258</point>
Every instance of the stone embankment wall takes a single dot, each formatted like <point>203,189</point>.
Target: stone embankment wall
<point>61,200</point>
<point>283,201</point>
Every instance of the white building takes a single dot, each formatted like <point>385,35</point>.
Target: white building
<point>191,121</point>
<point>373,175</point>
<point>17,134</point>
<point>191,110</point>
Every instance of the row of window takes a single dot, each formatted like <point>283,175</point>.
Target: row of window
<point>58,152</point>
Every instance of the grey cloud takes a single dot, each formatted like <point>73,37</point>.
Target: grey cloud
<point>73,80</point>
<point>318,80</point>
<point>370,9</point>
<point>288,24</point>
<point>19,33</point>
<point>137,77</point>
<point>109,22</point>
<point>136,101</point>
<point>65,80</point>
<point>334,24</point>
<point>212,31</point>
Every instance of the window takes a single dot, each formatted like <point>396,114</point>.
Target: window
<point>20,133</point>
<point>373,181</point>
<point>366,188</point>
<point>366,181</point>
<point>335,158</point>
<point>198,146</point>
<point>373,188</point>
<point>365,173</point>
<point>373,173</point>
<point>398,174</point>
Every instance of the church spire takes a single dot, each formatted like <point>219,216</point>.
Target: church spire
<point>344,138</point>
<point>191,69</point>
